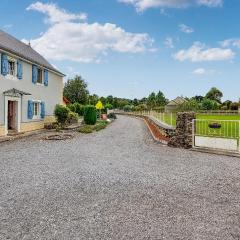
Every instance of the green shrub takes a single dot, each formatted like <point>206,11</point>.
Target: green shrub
<point>61,114</point>
<point>208,104</point>
<point>86,129</point>
<point>109,106</point>
<point>128,108</point>
<point>72,118</point>
<point>79,109</point>
<point>90,115</point>
<point>71,107</point>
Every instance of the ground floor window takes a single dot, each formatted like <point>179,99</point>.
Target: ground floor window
<point>36,109</point>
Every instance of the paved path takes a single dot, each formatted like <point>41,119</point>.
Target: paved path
<point>116,184</point>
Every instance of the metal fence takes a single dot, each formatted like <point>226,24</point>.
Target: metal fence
<point>217,134</point>
<point>167,118</point>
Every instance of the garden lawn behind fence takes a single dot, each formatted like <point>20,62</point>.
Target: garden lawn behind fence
<point>230,124</point>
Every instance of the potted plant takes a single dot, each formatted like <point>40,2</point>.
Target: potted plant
<point>214,125</point>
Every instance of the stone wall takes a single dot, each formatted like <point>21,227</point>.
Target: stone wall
<point>183,133</point>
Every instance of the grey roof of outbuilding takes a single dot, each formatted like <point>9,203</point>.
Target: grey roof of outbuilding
<point>16,47</point>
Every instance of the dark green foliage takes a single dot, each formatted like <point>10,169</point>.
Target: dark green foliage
<point>72,107</point>
<point>76,90</point>
<point>61,114</point>
<point>160,99</point>
<point>79,109</point>
<point>214,94</point>
<point>90,115</point>
<point>191,105</point>
<point>108,106</point>
<point>127,108</point>
<point>208,104</point>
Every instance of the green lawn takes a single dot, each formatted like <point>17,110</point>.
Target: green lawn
<point>228,129</point>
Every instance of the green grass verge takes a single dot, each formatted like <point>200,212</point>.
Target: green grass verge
<point>91,128</point>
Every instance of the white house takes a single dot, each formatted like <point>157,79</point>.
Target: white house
<point>30,87</point>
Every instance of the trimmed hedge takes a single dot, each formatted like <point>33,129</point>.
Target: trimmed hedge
<point>90,115</point>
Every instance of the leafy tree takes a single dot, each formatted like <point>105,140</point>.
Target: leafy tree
<point>151,101</point>
<point>160,99</point>
<point>110,99</point>
<point>227,104</point>
<point>214,94</point>
<point>208,104</point>
<point>109,106</point>
<point>93,99</point>
<point>190,105</point>
<point>135,102</point>
<point>198,98</point>
<point>76,90</point>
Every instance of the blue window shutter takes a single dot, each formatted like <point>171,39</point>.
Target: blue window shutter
<point>42,109</point>
<point>30,109</point>
<point>34,74</point>
<point>46,77</point>
<point>4,64</point>
<point>19,69</point>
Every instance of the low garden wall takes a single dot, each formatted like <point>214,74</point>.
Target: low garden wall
<point>184,130</point>
<point>180,137</point>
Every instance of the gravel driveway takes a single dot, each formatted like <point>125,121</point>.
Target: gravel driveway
<point>116,184</point>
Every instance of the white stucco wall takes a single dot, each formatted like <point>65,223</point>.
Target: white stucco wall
<point>51,94</point>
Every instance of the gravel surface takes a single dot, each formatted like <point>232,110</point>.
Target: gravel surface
<point>116,184</point>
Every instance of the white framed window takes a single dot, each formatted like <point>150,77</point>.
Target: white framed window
<point>36,109</point>
<point>11,67</point>
<point>40,76</point>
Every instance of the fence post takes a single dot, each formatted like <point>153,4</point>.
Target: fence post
<point>239,136</point>
<point>193,133</point>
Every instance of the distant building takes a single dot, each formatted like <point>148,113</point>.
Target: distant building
<point>173,105</point>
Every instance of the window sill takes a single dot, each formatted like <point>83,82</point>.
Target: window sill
<point>40,84</point>
<point>10,77</point>
<point>36,118</point>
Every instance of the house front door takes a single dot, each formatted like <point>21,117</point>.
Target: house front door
<point>12,115</point>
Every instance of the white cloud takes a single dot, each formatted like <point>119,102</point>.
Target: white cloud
<point>83,42</point>
<point>54,13</point>
<point>142,5</point>
<point>198,52</point>
<point>210,3</point>
<point>169,42</point>
<point>231,42</point>
<point>199,71</point>
<point>203,71</point>
<point>8,26</point>
<point>186,29</point>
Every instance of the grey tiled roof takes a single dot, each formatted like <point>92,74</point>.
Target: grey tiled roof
<point>177,101</point>
<point>15,46</point>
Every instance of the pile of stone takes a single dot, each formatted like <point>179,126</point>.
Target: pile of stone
<point>183,133</point>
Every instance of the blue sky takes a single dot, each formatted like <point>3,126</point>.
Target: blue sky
<point>129,48</point>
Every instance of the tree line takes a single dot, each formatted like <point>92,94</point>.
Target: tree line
<point>76,90</point>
